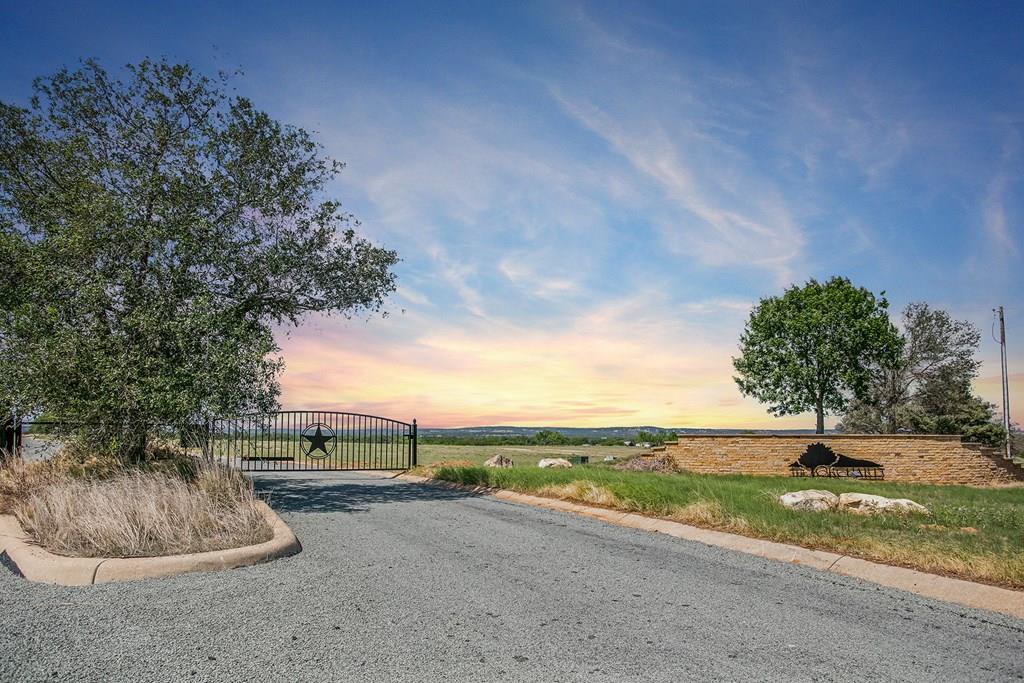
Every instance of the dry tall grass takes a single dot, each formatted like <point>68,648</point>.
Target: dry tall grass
<point>139,514</point>
<point>19,480</point>
<point>583,491</point>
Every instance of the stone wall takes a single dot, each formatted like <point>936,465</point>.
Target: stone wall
<point>936,459</point>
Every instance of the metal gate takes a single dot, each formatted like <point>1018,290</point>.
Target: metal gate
<point>312,440</point>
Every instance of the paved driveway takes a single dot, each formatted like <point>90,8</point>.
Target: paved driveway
<point>405,582</point>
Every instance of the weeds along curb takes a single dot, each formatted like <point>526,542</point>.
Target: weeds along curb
<point>36,564</point>
<point>958,591</point>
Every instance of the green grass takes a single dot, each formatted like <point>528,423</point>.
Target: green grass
<point>429,454</point>
<point>350,454</point>
<point>972,533</point>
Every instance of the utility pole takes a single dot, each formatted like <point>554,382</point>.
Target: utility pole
<point>1006,380</point>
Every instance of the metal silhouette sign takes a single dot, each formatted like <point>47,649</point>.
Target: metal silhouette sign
<point>821,461</point>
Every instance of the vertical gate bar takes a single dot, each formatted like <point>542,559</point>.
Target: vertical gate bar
<point>258,435</point>
<point>251,441</point>
<point>276,439</point>
<point>339,457</point>
<point>415,438</point>
<point>265,430</point>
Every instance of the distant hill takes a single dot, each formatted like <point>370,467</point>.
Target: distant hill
<point>625,433</point>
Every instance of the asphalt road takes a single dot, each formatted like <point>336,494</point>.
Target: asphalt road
<point>405,582</point>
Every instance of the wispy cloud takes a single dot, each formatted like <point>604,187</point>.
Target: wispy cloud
<point>994,209</point>
<point>679,132</point>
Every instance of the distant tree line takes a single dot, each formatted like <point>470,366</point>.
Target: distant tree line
<point>546,437</point>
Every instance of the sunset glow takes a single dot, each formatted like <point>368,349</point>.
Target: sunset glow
<point>588,201</point>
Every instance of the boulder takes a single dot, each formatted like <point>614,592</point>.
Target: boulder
<point>555,462</point>
<point>812,500</point>
<point>869,504</point>
<point>499,461</point>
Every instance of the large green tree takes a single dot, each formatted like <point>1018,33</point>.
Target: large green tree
<point>813,347</point>
<point>927,387</point>
<point>155,229</point>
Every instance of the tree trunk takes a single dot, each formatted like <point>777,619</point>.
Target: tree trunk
<point>135,453</point>
<point>820,426</point>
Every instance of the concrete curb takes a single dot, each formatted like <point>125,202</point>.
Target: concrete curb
<point>958,591</point>
<point>40,566</point>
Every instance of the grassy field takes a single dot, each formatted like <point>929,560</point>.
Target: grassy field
<point>349,455</point>
<point>522,455</point>
<point>971,533</point>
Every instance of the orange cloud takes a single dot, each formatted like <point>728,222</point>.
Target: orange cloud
<point>609,366</point>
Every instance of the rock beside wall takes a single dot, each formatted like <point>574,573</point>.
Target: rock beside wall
<point>933,459</point>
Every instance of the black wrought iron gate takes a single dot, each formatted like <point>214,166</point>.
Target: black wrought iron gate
<point>313,440</point>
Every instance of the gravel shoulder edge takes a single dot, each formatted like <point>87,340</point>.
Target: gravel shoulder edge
<point>36,564</point>
<point>947,589</point>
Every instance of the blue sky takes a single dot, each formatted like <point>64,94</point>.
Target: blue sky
<point>588,197</point>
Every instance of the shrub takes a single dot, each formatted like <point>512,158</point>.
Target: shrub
<point>662,462</point>
<point>137,513</point>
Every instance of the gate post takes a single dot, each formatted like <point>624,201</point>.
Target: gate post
<point>10,443</point>
<point>414,442</point>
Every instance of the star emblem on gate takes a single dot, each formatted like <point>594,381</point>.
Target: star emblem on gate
<point>318,441</point>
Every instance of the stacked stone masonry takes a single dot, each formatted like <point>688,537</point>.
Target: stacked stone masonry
<point>934,459</point>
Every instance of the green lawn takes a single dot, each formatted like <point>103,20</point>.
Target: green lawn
<point>973,533</point>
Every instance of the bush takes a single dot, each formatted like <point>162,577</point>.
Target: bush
<point>133,513</point>
<point>659,463</point>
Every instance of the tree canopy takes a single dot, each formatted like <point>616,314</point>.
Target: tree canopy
<point>154,232</point>
<point>814,347</point>
<point>927,387</point>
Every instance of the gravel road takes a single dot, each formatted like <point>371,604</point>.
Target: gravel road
<point>406,582</point>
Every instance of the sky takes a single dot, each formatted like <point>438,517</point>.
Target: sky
<point>588,198</point>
